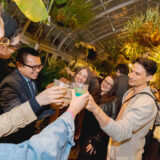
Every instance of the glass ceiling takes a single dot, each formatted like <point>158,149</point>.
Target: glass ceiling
<point>111,16</point>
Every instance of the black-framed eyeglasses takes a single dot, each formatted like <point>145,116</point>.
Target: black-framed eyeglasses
<point>108,83</point>
<point>35,67</point>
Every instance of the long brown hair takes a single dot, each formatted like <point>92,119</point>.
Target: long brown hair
<point>112,93</point>
<point>89,73</point>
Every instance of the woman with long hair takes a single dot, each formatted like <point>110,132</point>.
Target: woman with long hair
<point>83,75</point>
<point>93,140</point>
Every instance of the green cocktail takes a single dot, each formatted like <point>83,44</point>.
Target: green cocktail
<point>80,89</point>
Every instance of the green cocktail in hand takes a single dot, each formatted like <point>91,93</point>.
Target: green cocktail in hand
<point>78,94</point>
<point>80,88</point>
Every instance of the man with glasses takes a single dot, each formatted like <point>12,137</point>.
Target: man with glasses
<point>19,87</point>
<point>9,36</point>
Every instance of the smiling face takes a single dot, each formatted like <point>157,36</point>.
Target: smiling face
<point>6,50</point>
<point>107,84</point>
<point>28,71</point>
<point>138,76</point>
<point>81,76</point>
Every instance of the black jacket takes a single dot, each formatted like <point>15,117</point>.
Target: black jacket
<point>123,86</point>
<point>92,133</point>
<point>14,91</point>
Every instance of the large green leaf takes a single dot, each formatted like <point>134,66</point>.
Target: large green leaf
<point>33,9</point>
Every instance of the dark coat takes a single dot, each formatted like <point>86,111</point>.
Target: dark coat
<point>123,86</point>
<point>14,91</point>
<point>91,132</point>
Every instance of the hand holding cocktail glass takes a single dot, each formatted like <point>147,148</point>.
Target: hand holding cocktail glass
<point>80,88</point>
<point>67,95</point>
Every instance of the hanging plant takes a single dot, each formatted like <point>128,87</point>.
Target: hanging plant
<point>142,36</point>
<point>75,14</point>
<point>85,46</point>
<point>88,51</point>
<point>132,50</point>
<point>145,29</point>
<point>91,54</point>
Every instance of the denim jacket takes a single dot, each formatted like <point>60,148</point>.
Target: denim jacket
<point>53,143</point>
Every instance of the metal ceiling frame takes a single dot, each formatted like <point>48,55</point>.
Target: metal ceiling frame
<point>110,17</point>
<point>115,8</point>
<point>105,35</point>
<point>98,26</point>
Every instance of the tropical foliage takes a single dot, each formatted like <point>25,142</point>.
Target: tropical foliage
<point>85,45</point>
<point>141,38</point>
<point>85,51</point>
<point>33,9</point>
<point>144,30</point>
<point>52,70</point>
<point>74,14</point>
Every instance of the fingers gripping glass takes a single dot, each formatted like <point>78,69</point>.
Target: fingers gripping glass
<point>34,68</point>
<point>7,42</point>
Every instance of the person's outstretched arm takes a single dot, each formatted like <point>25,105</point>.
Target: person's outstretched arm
<point>53,143</point>
<point>24,114</point>
<point>130,122</point>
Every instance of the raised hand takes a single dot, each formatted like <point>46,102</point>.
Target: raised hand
<point>78,103</point>
<point>91,106</point>
<point>53,94</point>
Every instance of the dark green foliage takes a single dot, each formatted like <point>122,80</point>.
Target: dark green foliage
<point>74,14</point>
<point>52,70</point>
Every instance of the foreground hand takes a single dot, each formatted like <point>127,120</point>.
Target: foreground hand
<point>91,106</point>
<point>53,94</point>
<point>78,103</point>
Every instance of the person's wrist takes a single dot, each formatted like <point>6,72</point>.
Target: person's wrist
<point>71,112</point>
<point>96,110</point>
<point>39,100</point>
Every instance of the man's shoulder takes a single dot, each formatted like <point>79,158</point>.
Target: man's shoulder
<point>122,77</point>
<point>13,78</point>
<point>145,97</point>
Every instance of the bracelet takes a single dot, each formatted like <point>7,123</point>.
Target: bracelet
<point>71,114</point>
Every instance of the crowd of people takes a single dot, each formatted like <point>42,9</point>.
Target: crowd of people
<point>110,121</point>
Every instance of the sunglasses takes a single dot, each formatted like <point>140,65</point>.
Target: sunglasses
<point>7,42</point>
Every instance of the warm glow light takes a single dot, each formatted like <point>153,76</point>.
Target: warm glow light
<point>130,65</point>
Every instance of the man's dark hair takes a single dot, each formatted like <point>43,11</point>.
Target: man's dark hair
<point>149,65</point>
<point>123,69</point>
<point>24,52</point>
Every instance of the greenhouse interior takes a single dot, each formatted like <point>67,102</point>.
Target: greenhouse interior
<point>80,80</point>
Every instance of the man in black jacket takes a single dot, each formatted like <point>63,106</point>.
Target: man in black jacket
<point>19,86</point>
<point>122,73</point>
